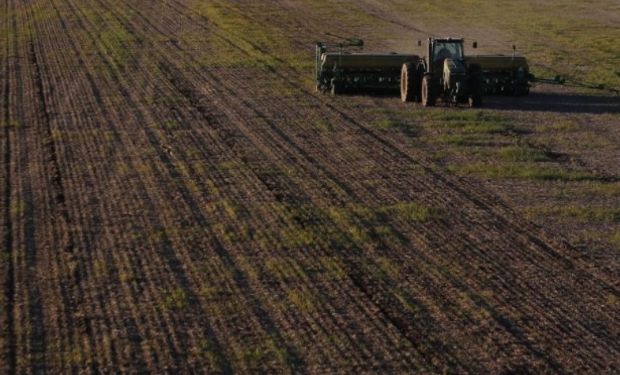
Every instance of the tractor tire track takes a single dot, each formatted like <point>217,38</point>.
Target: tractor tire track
<point>54,169</point>
<point>175,263</point>
<point>71,289</point>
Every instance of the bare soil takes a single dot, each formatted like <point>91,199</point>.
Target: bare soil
<point>177,198</point>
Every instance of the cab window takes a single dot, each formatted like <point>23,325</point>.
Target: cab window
<point>448,51</point>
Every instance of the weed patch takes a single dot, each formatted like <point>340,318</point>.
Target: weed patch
<point>11,124</point>
<point>414,212</point>
<point>324,126</point>
<point>175,300</point>
<point>523,153</point>
<point>564,126</point>
<point>303,301</point>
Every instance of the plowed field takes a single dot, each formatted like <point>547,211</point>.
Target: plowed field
<point>176,197</point>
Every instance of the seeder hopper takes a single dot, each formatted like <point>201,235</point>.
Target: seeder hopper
<point>503,74</point>
<point>344,66</point>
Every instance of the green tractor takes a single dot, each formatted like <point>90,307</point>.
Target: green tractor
<point>443,74</point>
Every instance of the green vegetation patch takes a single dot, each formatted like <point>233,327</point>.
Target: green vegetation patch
<point>347,13</point>
<point>392,124</point>
<point>564,126</point>
<point>246,41</point>
<point>589,188</point>
<point>324,126</point>
<point>469,140</point>
<point>254,356</point>
<point>468,128</point>
<point>414,212</point>
<point>308,226</point>
<point>614,239</point>
<point>11,124</point>
<point>522,170</point>
<point>581,213</point>
<point>480,122</point>
<point>284,268</point>
<point>523,153</point>
<point>175,299</point>
<point>118,43</point>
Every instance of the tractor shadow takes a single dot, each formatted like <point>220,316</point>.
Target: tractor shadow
<point>556,102</point>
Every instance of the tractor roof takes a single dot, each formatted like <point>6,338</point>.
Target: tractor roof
<point>448,39</point>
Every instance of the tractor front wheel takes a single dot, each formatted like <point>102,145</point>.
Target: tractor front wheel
<point>428,96</point>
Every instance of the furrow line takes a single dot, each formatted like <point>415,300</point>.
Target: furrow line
<point>89,301</point>
<point>54,169</point>
<point>74,295</point>
<point>9,340</point>
<point>166,163</point>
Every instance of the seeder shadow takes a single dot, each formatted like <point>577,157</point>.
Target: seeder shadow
<point>535,101</point>
<point>374,92</point>
<point>555,102</point>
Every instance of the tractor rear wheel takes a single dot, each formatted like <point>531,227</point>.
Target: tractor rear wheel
<point>409,83</point>
<point>428,96</point>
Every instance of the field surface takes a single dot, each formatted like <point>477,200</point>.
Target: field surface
<point>175,197</point>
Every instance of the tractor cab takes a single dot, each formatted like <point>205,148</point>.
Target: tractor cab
<point>441,49</point>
